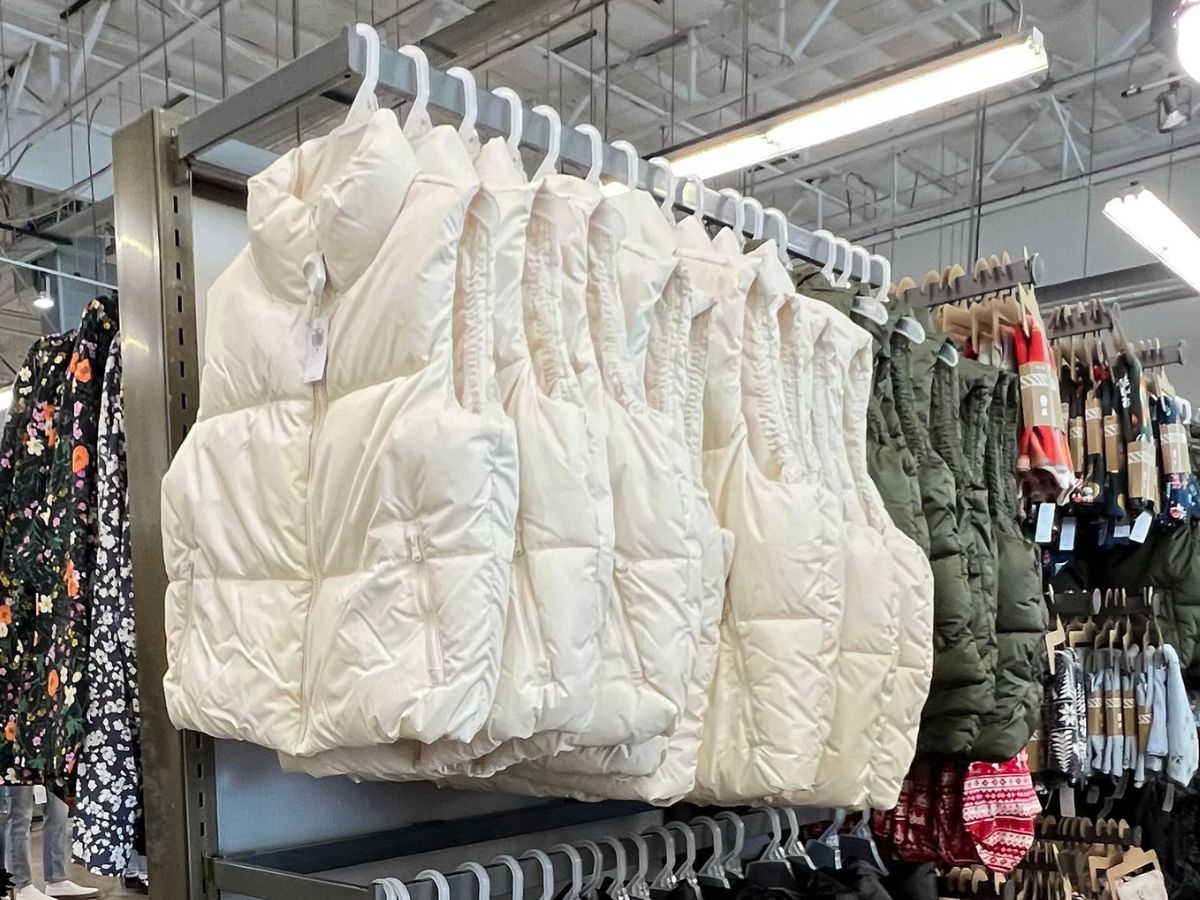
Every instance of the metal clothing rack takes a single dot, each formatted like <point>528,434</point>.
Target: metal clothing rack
<point>335,70</point>
<point>179,194</point>
<point>976,284</point>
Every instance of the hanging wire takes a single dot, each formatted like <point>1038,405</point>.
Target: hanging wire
<point>162,19</point>
<point>607,70</point>
<point>89,118</point>
<point>1087,222</point>
<point>8,99</point>
<point>137,27</point>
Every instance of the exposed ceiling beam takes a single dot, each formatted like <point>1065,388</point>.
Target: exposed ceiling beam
<point>500,26</point>
<point>797,52</point>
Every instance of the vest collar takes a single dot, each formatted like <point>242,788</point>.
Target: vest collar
<point>336,196</point>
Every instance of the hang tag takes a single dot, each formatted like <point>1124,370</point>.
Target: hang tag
<point>316,350</point>
<point>1093,794</point>
<point>1169,799</point>
<point>1066,801</point>
<point>1121,532</point>
<point>1066,535</point>
<point>1044,530</point>
<point>1141,527</point>
<point>39,794</point>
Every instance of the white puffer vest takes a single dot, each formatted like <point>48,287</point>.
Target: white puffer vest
<point>771,701</point>
<point>867,657</point>
<point>914,664</point>
<point>687,348</point>
<point>339,552</point>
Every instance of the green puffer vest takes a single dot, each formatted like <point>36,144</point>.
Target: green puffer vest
<point>960,691</point>
<point>1021,618</point>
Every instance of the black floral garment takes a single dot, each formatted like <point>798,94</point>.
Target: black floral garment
<point>26,452</point>
<point>47,585</point>
<point>108,801</point>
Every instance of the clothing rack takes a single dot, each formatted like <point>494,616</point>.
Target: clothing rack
<point>1100,603</point>
<point>983,280</point>
<point>1154,356</point>
<point>335,70</point>
<point>293,873</point>
<point>1083,318</point>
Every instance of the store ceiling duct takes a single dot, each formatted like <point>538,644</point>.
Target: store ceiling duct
<point>1152,224</point>
<point>983,66</point>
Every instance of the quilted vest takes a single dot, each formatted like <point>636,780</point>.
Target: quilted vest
<point>359,594</point>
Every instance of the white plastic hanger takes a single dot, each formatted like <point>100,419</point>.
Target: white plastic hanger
<point>687,871</point>
<point>439,881</point>
<point>714,869</point>
<point>773,852</point>
<point>885,277</point>
<point>516,873</point>
<point>638,887</point>
<point>619,889</point>
<point>827,270</point>
<point>948,353</point>
<point>733,860</point>
<point>739,211</point>
<point>576,871</point>
<point>466,128</point>
<point>665,879</point>
<point>481,876</point>
<point>554,148</point>
<point>516,121</point>
<point>760,220</point>
<point>591,886</point>
<point>365,101</point>
<point>631,163</point>
<point>865,304</point>
<point>393,888</point>
<point>843,276</point>
<point>418,117</point>
<point>697,184</point>
<point>548,872</point>
<point>597,142</point>
<point>663,164</point>
<point>781,240</point>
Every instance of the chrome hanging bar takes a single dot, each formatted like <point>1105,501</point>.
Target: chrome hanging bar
<point>335,69</point>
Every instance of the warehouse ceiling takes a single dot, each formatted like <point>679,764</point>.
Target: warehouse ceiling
<point>656,72</point>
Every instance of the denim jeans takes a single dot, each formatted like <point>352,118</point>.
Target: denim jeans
<point>56,837</point>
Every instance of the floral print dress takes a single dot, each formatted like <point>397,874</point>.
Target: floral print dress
<point>108,805</point>
<point>49,550</point>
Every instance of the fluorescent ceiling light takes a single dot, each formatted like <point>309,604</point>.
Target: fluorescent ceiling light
<point>982,67</point>
<point>1187,38</point>
<point>1151,223</point>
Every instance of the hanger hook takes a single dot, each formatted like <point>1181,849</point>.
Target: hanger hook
<point>577,884</point>
<point>733,860</point>
<point>759,221</point>
<point>548,872</point>
<point>597,142</point>
<point>775,846</point>
<point>554,144</point>
<point>831,249</point>
<point>481,876</point>
<point>662,163</point>
<point>716,861</point>
<point>466,129</point>
<point>781,222</point>
<point>697,184</point>
<point>516,873</point>
<point>593,881</point>
<point>622,873</point>
<point>393,888</point>
<point>666,875</point>
<point>631,163</point>
<point>689,841</point>
<point>439,880</point>
<point>516,119</point>
<point>739,211</point>
<point>865,255</point>
<point>419,114</point>
<point>643,858</point>
<point>885,277</point>
<point>365,99</point>
<point>843,277</point>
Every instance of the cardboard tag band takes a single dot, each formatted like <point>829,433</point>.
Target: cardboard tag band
<point>1040,403</point>
<point>1174,449</point>
<point>1114,449</point>
<point>1143,472</point>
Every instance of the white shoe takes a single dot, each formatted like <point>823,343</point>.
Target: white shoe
<point>69,889</point>
<point>29,892</point>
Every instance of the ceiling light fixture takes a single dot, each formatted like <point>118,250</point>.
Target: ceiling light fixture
<point>1152,224</point>
<point>1174,108</point>
<point>1187,37</point>
<point>942,81</point>
<point>43,300</point>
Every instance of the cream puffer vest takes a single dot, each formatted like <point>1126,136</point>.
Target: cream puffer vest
<point>914,663</point>
<point>547,684</point>
<point>679,338</point>
<point>339,551</point>
<point>772,696</point>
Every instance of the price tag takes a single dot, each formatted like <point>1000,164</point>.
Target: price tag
<point>1044,530</point>
<point>1066,801</point>
<point>1141,527</point>
<point>316,350</point>
<point>39,794</point>
<point>1121,532</point>
<point>1066,535</point>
